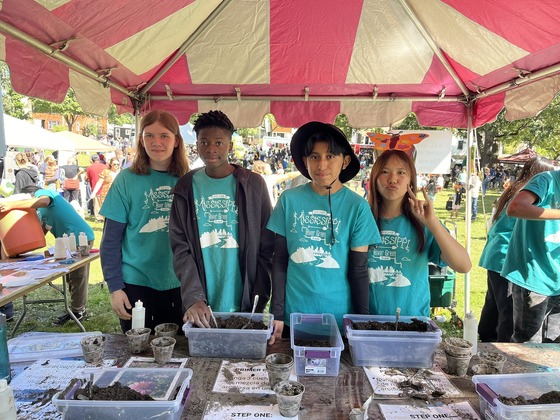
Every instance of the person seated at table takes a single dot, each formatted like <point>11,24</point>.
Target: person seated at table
<point>59,217</point>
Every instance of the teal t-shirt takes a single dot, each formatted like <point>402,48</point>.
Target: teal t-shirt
<point>143,203</point>
<point>497,243</point>
<point>398,275</point>
<point>60,217</point>
<point>533,258</point>
<point>317,279</point>
<point>217,217</point>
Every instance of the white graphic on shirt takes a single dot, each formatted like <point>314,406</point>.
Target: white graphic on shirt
<point>157,203</point>
<point>220,216</point>
<point>316,246</point>
<point>553,238</point>
<point>391,242</point>
<point>153,225</point>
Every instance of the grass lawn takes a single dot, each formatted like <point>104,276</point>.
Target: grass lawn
<point>101,318</point>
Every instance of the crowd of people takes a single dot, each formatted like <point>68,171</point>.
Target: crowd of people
<point>184,237</point>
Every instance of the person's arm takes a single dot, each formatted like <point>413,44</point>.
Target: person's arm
<point>358,278</point>
<point>279,273</point>
<point>111,266</point>
<point>29,203</point>
<point>523,207</point>
<point>262,283</point>
<point>193,294</point>
<point>97,187</point>
<point>452,252</point>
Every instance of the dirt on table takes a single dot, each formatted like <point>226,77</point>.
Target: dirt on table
<point>115,392</point>
<point>414,325</point>
<point>552,397</point>
<point>303,342</point>
<point>236,322</point>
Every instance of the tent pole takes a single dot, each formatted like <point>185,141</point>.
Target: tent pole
<point>2,130</point>
<point>468,209</point>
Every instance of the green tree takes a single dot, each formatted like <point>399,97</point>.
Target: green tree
<point>119,119</point>
<point>70,109</point>
<point>14,104</point>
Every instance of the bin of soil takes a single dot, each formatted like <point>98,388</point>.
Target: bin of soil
<point>374,341</point>
<point>317,344</point>
<point>536,395</point>
<point>229,340</point>
<point>116,393</point>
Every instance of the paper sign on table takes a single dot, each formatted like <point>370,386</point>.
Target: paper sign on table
<point>461,410</point>
<point>217,411</point>
<point>244,377</point>
<point>386,381</point>
<point>150,362</point>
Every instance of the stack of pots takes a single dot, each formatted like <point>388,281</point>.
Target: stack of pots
<point>458,352</point>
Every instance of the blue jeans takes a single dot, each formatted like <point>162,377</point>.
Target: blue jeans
<point>474,207</point>
<point>530,310</point>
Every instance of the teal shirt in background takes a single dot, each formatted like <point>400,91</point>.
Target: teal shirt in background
<point>533,258</point>
<point>217,217</point>
<point>497,244</point>
<point>143,203</point>
<point>60,217</point>
<point>317,279</point>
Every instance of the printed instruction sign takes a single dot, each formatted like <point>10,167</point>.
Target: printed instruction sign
<point>392,382</point>
<point>217,411</point>
<point>462,410</point>
<point>244,377</point>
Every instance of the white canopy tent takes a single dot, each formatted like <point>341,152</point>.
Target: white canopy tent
<point>24,134</point>
<point>84,144</point>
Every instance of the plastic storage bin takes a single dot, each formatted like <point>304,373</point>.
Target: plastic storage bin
<point>528,385</point>
<point>161,382</point>
<point>230,343</point>
<point>316,361</point>
<point>392,348</point>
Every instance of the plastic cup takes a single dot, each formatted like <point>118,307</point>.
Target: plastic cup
<point>92,348</point>
<point>138,339</point>
<point>166,330</point>
<point>457,365</point>
<point>288,396</point>
<point>493,359</point>
<point>279,366</point>
<point>163,349</point>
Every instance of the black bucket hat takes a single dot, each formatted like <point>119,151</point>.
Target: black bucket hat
<point>299,141</point>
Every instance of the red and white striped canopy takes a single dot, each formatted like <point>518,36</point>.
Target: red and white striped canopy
<point>373,60</point>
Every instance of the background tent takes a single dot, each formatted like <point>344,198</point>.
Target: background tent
<point>85,144</point>
<point>24,134</point>
<point>454,63</point>
<point>520,157</point>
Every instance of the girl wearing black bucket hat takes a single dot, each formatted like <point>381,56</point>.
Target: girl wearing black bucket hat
<point>323,232</point>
